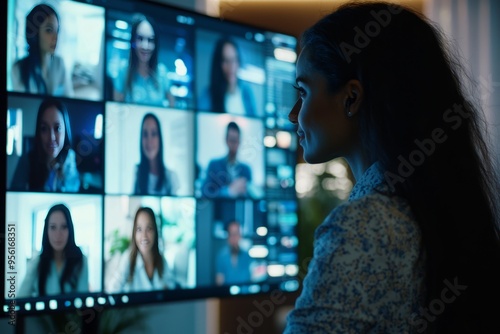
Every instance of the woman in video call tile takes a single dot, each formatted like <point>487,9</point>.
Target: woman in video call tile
<point>61,267</point>
<point>152,177</point>
<point>144,81</point>
<point>51,164</point>
<point>226,92</point>
<point>41,72</point>
<point>142,267</point>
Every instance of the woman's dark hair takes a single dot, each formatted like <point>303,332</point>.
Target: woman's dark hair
<point>39,170</point>
<point>413,95</point>
<point>218,81</point>
<point>157,258</point>
<point>72,254</point>
<point>143,170</point>
<point>30,67</point>
<point>133,60</point>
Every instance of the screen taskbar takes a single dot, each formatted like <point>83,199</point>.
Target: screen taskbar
<point>100,301</point>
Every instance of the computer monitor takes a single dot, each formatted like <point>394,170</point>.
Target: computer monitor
<point>149,157</point>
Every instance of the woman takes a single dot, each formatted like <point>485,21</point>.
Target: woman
<point>152,177</point>
<point>41,72</point>
<point>416,247</point>
<point>61,267</point>
<point>226,92</point>
<point>145,81</point>
<point>51,164</point>
<point>143,268</point>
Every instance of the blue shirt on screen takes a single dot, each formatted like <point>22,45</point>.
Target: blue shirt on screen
<point>220,174</point>
<point>234,273</point>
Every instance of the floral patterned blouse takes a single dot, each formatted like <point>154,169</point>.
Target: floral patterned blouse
<point>367,272</point>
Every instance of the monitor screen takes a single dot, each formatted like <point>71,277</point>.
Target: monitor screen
<point>149,157</point>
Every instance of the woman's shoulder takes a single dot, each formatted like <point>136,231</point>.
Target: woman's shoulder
<point>376,216</point>
<point>71,154</point>
<point>16,66</point>
<point>57,61</point>
<point>34,261</point>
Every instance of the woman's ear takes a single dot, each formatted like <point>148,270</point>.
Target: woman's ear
<point>353,97</point>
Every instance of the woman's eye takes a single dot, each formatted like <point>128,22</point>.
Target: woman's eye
<point>301,90</point>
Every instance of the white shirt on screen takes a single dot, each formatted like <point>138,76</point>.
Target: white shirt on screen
<point>140,281</point>
<point>234,102</point>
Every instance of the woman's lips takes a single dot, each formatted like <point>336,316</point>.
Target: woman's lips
<point>301,136</point>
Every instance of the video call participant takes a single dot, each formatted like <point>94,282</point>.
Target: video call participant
<point>61,267</point>
<point>228,177</point>
<point>152,176</point>
<point>51,164</point>
<point>41,72</point>
<point>144,81</point>
<point>232,263</point>
<point>226,93</point>
<point>143,268</point>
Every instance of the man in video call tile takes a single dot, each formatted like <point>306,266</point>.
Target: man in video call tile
<point>233,263</point>
<point>228,177</point>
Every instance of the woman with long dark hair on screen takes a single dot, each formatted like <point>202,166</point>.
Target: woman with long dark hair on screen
<point>152,176</point>
<point>143,268</point>
<point>226,92</point>
<point>145,80</point>
<point>61,267</point>
<point>416,247</point>
<point>51,164</point>
<point>41,72</point>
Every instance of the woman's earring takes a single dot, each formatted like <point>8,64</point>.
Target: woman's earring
<point>348,105</point>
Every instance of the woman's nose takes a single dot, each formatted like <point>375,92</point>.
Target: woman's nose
<point>294,113</point>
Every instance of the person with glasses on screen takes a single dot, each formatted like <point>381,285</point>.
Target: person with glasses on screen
<point>232,263</point>
<point>152,176</point>
<point>226,92</point>
<point>228,177</point>
<point>416,247</point>
<point>42,71</point>
<point>143,268</point>
<point>145,80</point>
<point>61,267</point>
<point>51,164</point>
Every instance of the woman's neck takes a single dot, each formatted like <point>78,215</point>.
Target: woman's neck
<point>148,263</point>
<point>147,258</point>
<point>44,59</point>
<point>143,69</point>
<point>231,87</point>
<point>59,258</point>
<point>153,167</point>
<point>359,162</point>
